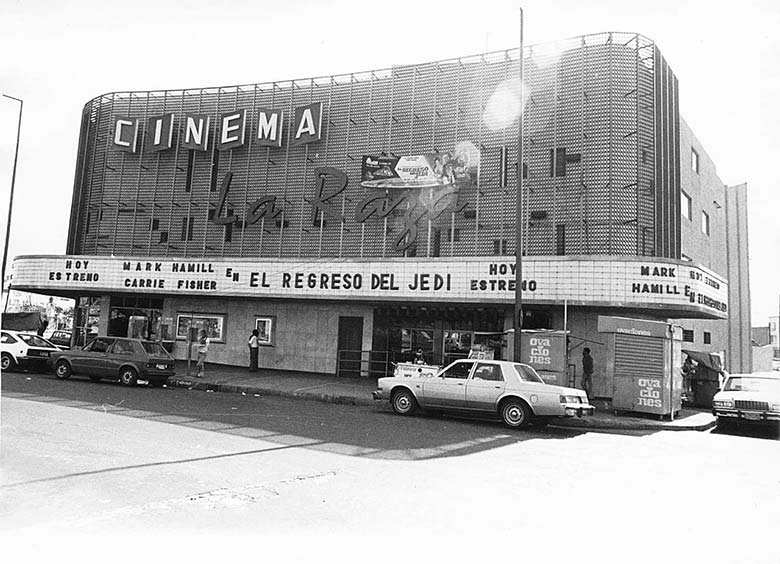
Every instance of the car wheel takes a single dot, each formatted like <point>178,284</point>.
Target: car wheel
<point>128,376</point>
<point>515,414</point>
<point>62,370</point>
<point>96,378</point>
<point>7,362</point>
<point>403,402</point>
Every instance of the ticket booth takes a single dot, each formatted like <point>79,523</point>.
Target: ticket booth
<point>643,364</point>
<point>545,350</point>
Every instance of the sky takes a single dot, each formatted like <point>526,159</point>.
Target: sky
<point>58,55</point>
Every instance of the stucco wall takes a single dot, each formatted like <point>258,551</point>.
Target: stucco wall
<point>305,339</point>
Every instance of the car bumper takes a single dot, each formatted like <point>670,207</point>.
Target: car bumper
<point>578,410</point>
<point>746,415</point>
<point>378,395</point>
<point>37,362</point>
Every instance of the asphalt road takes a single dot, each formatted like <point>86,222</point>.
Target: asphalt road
<point>84,460</point>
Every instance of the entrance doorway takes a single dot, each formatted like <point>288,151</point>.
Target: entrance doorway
<point>350,343</point>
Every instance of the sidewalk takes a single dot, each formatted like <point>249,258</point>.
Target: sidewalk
<point>357,391</point>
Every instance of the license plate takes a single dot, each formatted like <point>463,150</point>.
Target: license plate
<point>45,354</point>
<point>162,367</point>
<point>752,416</point>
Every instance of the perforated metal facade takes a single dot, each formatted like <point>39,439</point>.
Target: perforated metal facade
<point>600,144</point>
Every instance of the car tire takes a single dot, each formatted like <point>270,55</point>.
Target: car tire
<point>7,362</point>
<point>515,414</point>
<point>128,376</point>
<point>403,402</point>
<point>62,370</point>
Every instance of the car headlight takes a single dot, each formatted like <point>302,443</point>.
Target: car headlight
<point>775,407</point>
<point>571,399</point>
<point>723,403</point>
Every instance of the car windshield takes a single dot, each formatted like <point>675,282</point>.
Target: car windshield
<point>36,341</point>
<point>527,374</point>
<point>155,349</point>
<point>748,384</point>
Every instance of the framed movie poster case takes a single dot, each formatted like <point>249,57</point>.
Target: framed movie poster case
<point>214,325</point>
<point>266,328</point>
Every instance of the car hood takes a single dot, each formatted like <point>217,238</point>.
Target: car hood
<point>563,390</point>
<point>747,396</point>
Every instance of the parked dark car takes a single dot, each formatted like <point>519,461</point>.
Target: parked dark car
<point>128,360</point>
<point>61,338</point>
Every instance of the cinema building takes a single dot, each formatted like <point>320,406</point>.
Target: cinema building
<point>366,215</point>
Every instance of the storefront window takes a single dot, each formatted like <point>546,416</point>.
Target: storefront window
<point>87,319</point>
<point>135,317</point>
<point>457,344</point>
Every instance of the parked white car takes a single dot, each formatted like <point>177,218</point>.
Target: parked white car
<point>25,351</point>
<point>510,390</point>
<point>750,398</point>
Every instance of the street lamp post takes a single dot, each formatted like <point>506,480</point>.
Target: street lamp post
<point>11,198</point>
<point>519,212</point>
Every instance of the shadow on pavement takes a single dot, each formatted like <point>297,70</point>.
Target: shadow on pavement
<point>361,431</point>
<point>767,431</point>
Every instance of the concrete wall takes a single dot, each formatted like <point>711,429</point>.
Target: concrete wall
<point>724,251</point>
<point>305,339</point>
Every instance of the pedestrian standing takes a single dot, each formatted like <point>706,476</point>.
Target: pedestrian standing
<point>254,347</point>
<point>587,372</point>
<point>203,351</point>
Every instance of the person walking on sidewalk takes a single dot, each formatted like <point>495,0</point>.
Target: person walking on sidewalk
<point>203,351</point>
<point>587,372</point>
<point>254,347</point>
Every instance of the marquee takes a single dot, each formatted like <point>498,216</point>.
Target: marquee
<point>681,287</point>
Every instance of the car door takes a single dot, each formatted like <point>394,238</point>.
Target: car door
<point>117,355</point>
<point>485,386</point>
<point>93,358</point>
<point>448,389</point>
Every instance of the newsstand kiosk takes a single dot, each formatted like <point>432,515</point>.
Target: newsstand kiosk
<point>643,364</point>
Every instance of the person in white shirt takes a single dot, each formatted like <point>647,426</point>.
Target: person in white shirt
<point>254,347</point>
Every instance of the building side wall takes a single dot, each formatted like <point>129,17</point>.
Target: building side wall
<point>740,358</point>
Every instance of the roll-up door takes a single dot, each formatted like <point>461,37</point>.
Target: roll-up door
<point>638,356</point>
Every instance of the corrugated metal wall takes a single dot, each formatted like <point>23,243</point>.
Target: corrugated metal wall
<point>593,101</point>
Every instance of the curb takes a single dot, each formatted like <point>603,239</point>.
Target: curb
<point>351,400</point>
<point>232,388</point>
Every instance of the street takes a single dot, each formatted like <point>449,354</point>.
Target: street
<point>84,460</point>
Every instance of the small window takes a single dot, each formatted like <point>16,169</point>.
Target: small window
<point>155,225</point>
<point>707,338</point>
<point>187,225</point>
<point>499,246</point>
<point>686,206</point>
<point>459,371</point>
<point>490,372</point>
<point>688,335</point>
<point>705,223</point>
<point>560,239</point>
<point>7,338</point>
<point>694,160</point>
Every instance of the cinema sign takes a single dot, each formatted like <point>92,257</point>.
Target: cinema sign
<point>195,130</point>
